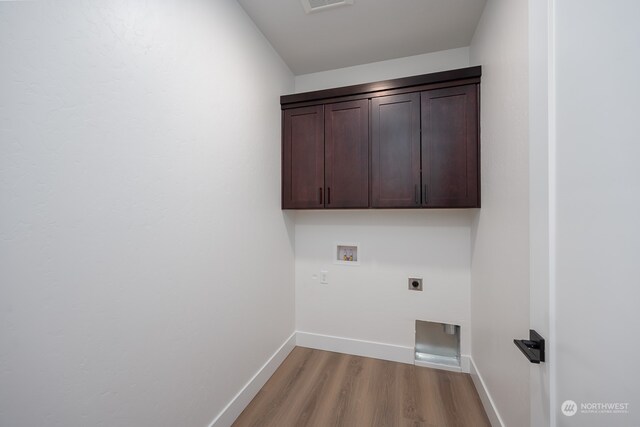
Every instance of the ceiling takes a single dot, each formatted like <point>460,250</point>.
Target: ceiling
<point>367,31</point>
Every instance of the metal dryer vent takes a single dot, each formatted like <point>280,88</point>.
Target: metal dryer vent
<point>437,345</point>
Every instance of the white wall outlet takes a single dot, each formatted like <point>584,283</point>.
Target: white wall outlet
<point>323,277</point>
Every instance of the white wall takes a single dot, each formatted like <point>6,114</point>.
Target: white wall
<point>384,70</point>
<point>146,267</point>
<point>597,201</point>
<point>500,234</point>
<point>371,302</point>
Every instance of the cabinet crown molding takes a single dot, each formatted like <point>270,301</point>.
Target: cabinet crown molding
<point>461,75</point>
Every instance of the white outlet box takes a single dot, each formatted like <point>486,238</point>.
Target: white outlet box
<point>324,277</point>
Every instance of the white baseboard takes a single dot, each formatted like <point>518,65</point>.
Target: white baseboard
<point>376,350</point>
<point>485,397</point>
<point>465,363</point>
<point>240,401</point>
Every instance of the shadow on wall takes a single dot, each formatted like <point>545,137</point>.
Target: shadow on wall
<point>387,217</point>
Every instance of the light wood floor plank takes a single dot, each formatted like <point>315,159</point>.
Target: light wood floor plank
<point>324,389</point>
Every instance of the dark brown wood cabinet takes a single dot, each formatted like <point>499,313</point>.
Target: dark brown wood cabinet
<point>395,151</point>
<point>326,156</point>
<point>303,158</point>
<point>450,147</point>
<point>404,143</point>
<point>346,136</point>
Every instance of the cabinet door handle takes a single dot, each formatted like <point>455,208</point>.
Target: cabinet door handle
<point>328,195</point>
<point>424,194</point>
<point>417,191</point>
<point>320,192</point>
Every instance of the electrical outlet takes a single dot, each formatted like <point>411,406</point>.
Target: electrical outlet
<point>323,277</point>
<point>415,284</point>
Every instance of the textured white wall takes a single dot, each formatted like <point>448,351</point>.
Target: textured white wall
<point>146,268</point>
<point>500,234</point>
<point>384,70</point>
<point>597,202</point>
<point>371,301</point>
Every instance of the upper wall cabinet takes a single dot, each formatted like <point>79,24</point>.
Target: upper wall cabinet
<point>395,151</point>
<point>303,155</point>
<point>449,123</point>
<point>404,143</point>
<point>346,149</point>
<point>326,156</point>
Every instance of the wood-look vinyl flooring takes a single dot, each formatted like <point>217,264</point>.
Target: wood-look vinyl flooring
<point>325,389</point>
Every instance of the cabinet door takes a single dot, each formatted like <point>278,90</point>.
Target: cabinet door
<point>303,158</point>
<point>395,151</point>
<point>450,147</point>
<point>346,135</point>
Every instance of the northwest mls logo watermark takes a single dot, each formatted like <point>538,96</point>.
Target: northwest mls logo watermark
<point>570,408</point>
